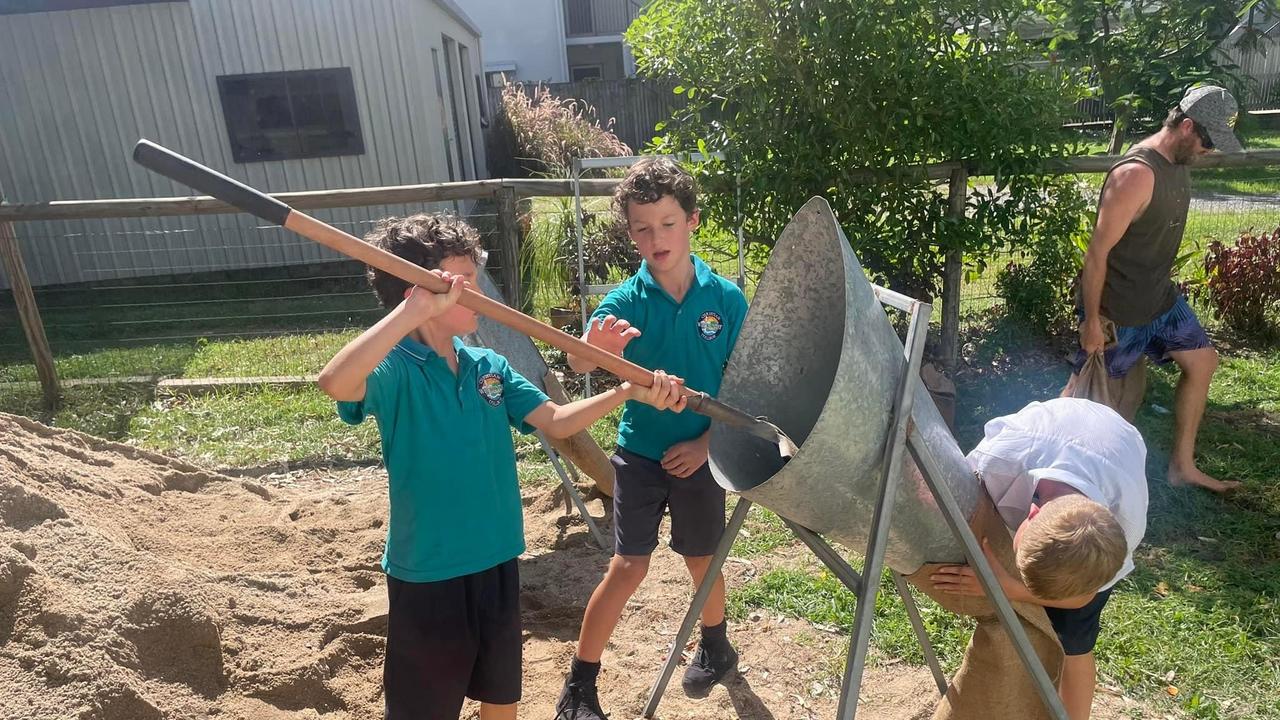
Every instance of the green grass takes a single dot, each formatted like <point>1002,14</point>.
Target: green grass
<point>762,533</point>
<point>1203,609</point>
<point>1204,603</point>
<point>253,427</point>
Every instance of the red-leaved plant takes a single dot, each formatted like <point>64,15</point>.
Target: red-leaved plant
<point>1242,281</point>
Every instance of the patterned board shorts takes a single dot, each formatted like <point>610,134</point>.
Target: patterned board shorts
<point>1177,330</point>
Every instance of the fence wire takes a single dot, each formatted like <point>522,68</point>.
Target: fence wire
<point>113,285</point>
<point>1224,204</point>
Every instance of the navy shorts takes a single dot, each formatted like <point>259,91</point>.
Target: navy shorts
<point>1078,629</point>
<point>642,491</point>
<point>1177,330</point>
<point>451,640</point>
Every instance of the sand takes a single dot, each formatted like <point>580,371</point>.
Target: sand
<point>136,586</point>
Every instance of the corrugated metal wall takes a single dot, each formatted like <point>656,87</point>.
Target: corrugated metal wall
<point>78,88</point>
<point>1262,67</point>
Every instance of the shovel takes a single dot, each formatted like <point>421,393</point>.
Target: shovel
<point>189,172</point>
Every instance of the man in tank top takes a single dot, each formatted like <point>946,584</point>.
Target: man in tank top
<point>1127,270</point>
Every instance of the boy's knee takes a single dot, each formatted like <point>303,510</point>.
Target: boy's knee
<point>631,568</point>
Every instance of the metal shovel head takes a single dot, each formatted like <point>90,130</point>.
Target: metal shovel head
<point>818,357</point>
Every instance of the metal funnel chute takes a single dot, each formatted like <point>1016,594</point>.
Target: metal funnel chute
<point>818,357</point>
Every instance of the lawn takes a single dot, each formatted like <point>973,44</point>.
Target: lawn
<point>1200,614</point>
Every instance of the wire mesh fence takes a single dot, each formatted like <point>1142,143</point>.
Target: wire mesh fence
<point>170,292</point>
<point>167,293</point>
<point>1224,204</point>
<point>120,300</point>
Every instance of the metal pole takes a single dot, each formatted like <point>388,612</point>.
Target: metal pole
<point>986,577</point>
<point>864,613</point>
<point>572,491</point>
<point>917,623</point>
<point>731,530</point>
<point>742,256</point>
<point>828,556</point>
<point>575,178</point>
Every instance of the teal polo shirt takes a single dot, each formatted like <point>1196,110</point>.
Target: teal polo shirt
<point>691,339</point>
<point>446,443</point>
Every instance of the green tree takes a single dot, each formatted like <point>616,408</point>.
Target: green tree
<point>1144,53</point>
<point>806,95</point>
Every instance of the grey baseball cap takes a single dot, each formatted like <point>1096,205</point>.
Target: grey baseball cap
<point>1213,109</point>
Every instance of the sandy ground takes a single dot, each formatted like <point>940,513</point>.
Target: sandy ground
<point>134,586</point>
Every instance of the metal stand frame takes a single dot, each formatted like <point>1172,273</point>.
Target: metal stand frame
<point>568,473</point>
<point>575,179</point>
<point>903,438</point>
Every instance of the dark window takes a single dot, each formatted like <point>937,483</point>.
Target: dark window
<point>287,115</point>
<point>18,7</point>
<point>579,73</point>
<point>581,18</point>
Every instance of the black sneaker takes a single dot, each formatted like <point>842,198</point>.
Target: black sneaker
<point>709,666</point>
<point>578,701</point>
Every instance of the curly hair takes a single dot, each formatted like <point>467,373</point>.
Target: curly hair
<point>424,239</point>
<point>652,179</point>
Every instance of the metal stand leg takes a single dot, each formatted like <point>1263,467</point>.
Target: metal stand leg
<point>852,580</point>
<point>572,492</point>
<point>917,623</point>
<point>864,612</point>
<point>731,531</point>
<point>829,557</point>
<point>973,551</point>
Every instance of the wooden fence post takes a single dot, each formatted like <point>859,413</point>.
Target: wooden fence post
<point>509,244</point>
<point>951,278</point>
<point>29,313</point>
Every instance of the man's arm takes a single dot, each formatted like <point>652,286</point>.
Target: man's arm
<point>1125,195</point>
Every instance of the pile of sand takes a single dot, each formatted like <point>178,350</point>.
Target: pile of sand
<point>137,586</point>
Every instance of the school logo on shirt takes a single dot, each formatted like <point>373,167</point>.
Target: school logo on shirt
<point>490,387</point>
<point>709,325</point>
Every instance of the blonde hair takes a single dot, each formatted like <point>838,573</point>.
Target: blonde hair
<point>1073,546</point>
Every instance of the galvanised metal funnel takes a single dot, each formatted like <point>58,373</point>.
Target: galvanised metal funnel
<point>818,356</point>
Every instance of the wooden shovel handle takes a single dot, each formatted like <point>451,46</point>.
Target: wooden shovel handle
<point>189,172</point>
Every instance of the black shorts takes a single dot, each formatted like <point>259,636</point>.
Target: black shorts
<point>1078,629</point>
<point>643,491</point>
<point>450,640</point>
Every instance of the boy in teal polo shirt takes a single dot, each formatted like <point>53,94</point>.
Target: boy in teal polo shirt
<point>444,412</point>
<point>678,314</point>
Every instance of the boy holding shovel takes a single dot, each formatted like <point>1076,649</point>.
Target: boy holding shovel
<point>444,412</point>
<point>675,312</point>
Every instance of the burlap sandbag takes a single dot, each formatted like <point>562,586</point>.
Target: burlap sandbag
<point>991,683</point>
<point>1093,382</point>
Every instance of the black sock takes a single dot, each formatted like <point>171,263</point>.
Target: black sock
<point>582,671</point>
<point>715,635</point>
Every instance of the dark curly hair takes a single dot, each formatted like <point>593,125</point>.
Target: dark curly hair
<point>425,239</point>
<point>652,179</point>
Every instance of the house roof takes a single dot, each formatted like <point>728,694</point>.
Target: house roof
<point>458,14</point>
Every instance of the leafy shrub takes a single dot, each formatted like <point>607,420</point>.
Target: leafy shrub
<point>550,132</point>
<point>1038,290</point>
<point>1242,281</point>
<point>809,98</point>
<point>549,254</point>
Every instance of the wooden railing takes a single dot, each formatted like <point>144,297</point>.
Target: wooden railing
<point>506,193</point>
